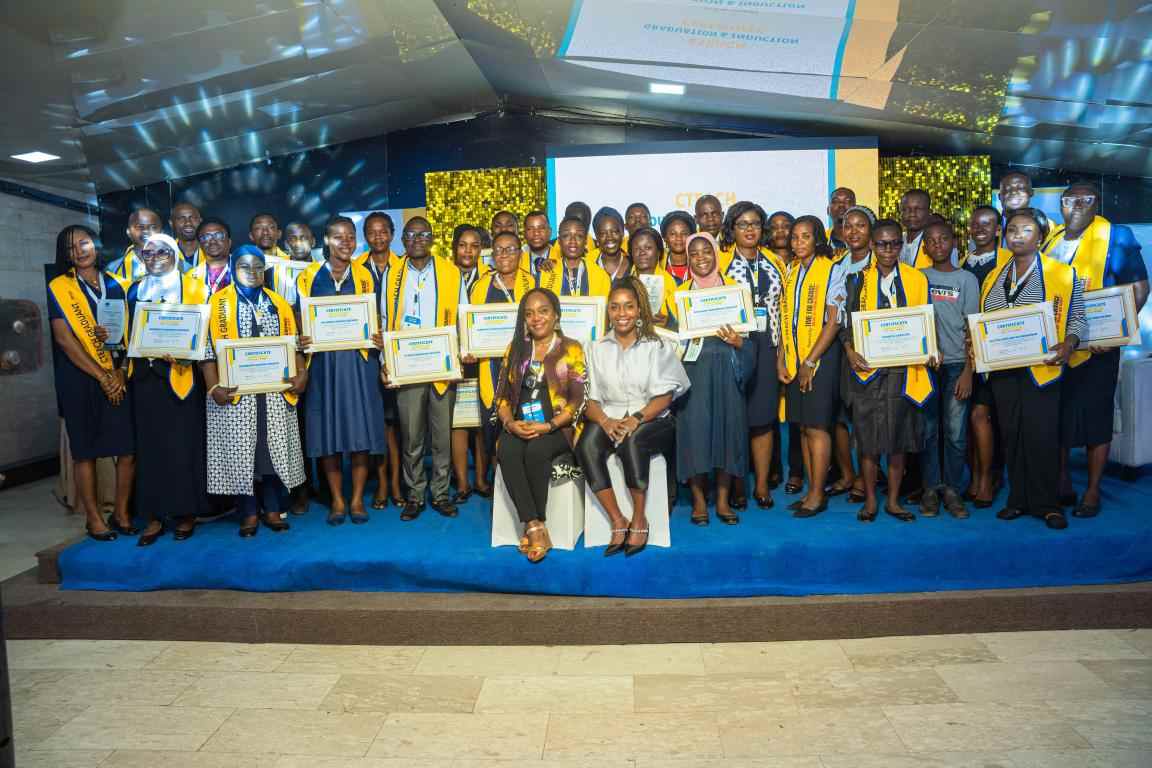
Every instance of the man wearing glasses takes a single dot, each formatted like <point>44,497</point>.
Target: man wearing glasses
<point>215,240</point>
<point>1104,255</point>
<point>142,224</point>
<point>185,222</point>
<point>423,292</point>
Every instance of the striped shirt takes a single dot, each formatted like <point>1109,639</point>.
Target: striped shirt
<point>1032,292</point>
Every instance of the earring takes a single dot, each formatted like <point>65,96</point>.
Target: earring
<point>639,323</point>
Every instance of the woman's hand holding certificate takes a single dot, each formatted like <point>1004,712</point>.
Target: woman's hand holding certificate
<point>703,311</point>
<point>338,322</point>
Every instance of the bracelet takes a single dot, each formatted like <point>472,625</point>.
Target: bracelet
<point>809,364</point>
<point>213,388</point>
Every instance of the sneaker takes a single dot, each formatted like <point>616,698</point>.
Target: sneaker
<point>929,503</point>
<point>954,504</point>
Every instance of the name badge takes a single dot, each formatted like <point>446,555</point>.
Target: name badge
<point>410,321</point>
<point>761,319</point>
<point>532,411</point>
<point>693,352</point>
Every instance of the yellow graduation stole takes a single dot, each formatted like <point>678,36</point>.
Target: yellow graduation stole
<point>225,322</point>
<point>1058,279</point>
<point>200,274</point>
<point>192,291</point>
<point>131,268</point>
<point>198,258</point>
<point>362,282</point>
<point>917,382</point>
<point>1090,263</point>
<point>523,283</point>
<point>599,283</point>
<point>447,280</point>
<point>526,259</point>
<point>813,297</point>
<point>923,260</point>
<point>70,296</point>
<point>839,254</point>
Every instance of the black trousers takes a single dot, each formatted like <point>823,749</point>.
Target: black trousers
<point>649,439</point>
<point>526,466</point>
<point>1029,420</point>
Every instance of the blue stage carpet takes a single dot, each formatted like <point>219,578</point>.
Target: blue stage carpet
<point>769,553</point>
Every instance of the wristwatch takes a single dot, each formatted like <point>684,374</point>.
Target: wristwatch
<point>639,416</point>
<point>809,364</point>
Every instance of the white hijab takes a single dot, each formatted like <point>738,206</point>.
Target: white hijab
<point>165,287</point>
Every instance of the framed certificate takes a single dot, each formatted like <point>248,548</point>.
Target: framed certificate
<point>582,317</point>
<point>179,330</point>
<point>895,337</point>
<point>339,322</point>
<point>486,329</point>
<point>419,355</point>
<point>1112,317</point>
<point>466,412</point>
<point>704,310</point>
<point>1012,338</point>
<point>256,366</point>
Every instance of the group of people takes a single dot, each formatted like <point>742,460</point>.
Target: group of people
<point>714,408</point>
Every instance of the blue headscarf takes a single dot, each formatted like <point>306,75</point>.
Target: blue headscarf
<point>245,250</point>
<point>607,212</point>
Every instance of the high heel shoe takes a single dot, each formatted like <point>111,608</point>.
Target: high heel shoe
<point>635,549</point>
<point>123,530</point>
<point>615,549</point>
<point>148,539</point>
<point>101,536</point>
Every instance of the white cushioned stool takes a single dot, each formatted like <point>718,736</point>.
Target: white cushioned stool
<point>564,513</point>
<point>597,529</point>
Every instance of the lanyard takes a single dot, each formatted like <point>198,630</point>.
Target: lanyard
<point>338,282</point>
<point>796,295</point>
<point>97,297</point>
<point>574,282</point>
<point>1011,293</point>
<point>537,367</point>
<point>376,272</point>
<point>503,289</point>
<point>619,264</point>
<point>257,314</point>
<point>888,287</point>
<point>214,285</point>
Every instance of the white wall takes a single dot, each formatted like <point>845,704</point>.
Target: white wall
<point>28,419</point>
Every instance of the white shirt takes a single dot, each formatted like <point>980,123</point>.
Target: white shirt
<point>1067,250</point>
<point>623,381</point>
<point>419,295</point>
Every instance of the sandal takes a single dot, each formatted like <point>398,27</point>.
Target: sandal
<point>865,516</point>
<point>856,497</point>
<point>765,502</point>
<point>1084,509</point>
<point>837,490</point>
<point>730,519</point>
<point>794,485</point>
<point>1055,520</point>
<point>379,502</point>
<point>739,502</point>
<point>700,519</point>
<point>613,549</point>
<point>635,549</point>
<point>903,516</point>
<point>804,511</point>
<point>536,552</point>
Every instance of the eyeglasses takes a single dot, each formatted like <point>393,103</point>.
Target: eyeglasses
<point>1072,200</point>
<point>744,226</point>
<point>218,236</point>
<point>888,244</point>
<point>158,253</point>
<point>423,235</point>
<point>509,251</point>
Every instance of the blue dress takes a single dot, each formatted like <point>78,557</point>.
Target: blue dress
<point>711,417</point>
<point>343,411</point>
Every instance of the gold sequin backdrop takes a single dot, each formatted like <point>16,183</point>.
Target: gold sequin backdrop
<point>471,197</point>
<point>957,185</point>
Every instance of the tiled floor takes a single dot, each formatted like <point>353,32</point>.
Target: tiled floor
<point>1017,700</point>
<point>1014,700</point>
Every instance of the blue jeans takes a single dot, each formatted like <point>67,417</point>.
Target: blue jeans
<point>950,471</point>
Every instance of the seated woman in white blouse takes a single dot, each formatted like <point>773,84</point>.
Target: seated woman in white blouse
<point>633,377</point>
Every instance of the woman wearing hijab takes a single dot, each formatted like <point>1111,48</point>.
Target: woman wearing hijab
<point>344,413</point>
<point>90,383</point>
<point>539,400</point>
<point>253,440</point>
<point>712,422</point>
<point>166,402</point>
<point>809,365</point>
